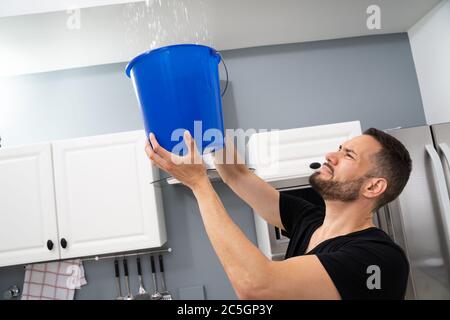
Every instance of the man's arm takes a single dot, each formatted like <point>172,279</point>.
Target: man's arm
<point>258,194</point>
<point>252,275</point>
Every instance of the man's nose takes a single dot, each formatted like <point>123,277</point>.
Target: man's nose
<point>332,158</point>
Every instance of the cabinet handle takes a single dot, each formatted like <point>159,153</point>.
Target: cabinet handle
<point>49,245</point>
<point>63,243</point>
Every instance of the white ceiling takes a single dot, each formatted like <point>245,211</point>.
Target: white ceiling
<point>270,21</point>
<point>34,36</point>
<point>9,8</point>
<point>398,14</point>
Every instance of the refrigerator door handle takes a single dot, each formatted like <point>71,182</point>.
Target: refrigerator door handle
<point>441,189</point>
<point>446,152</point>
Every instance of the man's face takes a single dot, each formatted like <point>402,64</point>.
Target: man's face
<point>344,172</point>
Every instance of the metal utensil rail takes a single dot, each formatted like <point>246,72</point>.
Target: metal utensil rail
<point>119,256</point>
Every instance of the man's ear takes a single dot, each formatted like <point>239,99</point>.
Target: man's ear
<point>374,188</point>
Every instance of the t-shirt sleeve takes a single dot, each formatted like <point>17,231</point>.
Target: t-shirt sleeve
<point>294,210</point>
<point>367,271</point>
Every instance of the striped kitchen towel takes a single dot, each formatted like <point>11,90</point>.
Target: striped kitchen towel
<point>53,280</point>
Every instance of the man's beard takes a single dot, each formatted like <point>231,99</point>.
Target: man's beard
<point>336,190</point>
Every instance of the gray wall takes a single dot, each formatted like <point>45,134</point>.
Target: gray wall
<point>371,79</point>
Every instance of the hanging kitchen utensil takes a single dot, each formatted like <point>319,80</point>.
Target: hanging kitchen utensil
<point>165,293</point>
<point>156,295</point>
<point>142,294</point>
<point>129,296</point>
<point>117,274</point>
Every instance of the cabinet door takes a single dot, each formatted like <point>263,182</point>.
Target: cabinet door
<point>105,200</point>
<point>27,205</point>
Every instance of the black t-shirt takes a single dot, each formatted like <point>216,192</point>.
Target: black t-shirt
<point>365,264</point>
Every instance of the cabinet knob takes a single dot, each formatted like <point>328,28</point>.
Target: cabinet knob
<point>63,243</point>
<point>315,165</point>
<point>50,245</point>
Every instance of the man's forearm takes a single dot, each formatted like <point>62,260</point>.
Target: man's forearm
<point>246,267</point>
<point>257,193</point>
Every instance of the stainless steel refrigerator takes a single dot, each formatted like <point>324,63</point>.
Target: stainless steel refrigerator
<point>419,219</point>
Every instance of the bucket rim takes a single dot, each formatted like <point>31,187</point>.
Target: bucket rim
<point>140,56</point>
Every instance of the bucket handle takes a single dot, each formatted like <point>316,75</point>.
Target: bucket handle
<point>226,72</point>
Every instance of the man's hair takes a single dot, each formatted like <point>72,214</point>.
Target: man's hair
<point>392,162</point>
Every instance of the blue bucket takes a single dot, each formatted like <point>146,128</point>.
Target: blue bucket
<point>177,86</point>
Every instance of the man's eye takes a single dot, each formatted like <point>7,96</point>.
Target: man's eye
<point>348,155</point>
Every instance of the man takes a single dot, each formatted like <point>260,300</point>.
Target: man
<point>334,253</point>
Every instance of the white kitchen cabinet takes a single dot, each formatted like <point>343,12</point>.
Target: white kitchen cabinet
<point>78,197</point>
<point>28,230</point>
<point>105,199</point>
